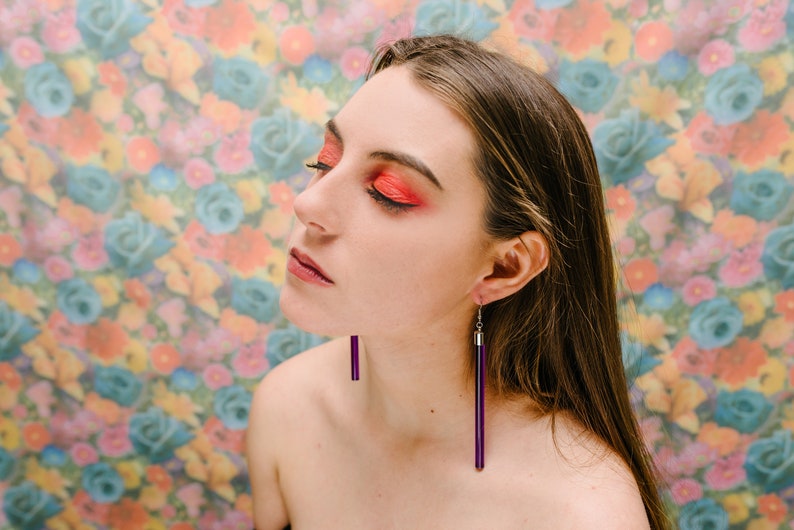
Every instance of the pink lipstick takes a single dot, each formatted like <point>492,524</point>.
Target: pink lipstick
<point>302,266</point>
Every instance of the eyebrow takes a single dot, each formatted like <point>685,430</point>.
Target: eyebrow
<point>403,159</point>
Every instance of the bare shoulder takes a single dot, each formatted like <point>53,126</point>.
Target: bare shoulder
<point>283,400</point>
<point>592,481</point>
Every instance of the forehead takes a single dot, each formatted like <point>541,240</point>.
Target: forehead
<point>393,112</point>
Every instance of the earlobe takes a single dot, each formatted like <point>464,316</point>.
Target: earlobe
<point>517,261</point>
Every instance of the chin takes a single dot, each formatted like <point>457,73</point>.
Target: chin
<point>308,317</point>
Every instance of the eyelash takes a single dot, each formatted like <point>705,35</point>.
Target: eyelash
<point>387,203</point>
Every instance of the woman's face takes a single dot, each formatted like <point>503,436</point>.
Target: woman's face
<point>388,234</point>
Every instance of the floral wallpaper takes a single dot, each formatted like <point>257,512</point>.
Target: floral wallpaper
<point>150,152</point>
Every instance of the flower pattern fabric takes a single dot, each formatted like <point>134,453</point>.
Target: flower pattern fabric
<point>149,156</point>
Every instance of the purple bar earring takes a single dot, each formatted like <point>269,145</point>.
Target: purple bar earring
<point>479,394</point>
<point>354,357</point>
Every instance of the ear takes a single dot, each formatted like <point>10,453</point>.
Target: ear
<point>516,261</point>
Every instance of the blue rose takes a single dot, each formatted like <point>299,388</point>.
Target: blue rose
<point>133,244</point>
<point>15,330</point>
<point>715,323</point>
<point>108,25</point>
<point>25,271</point>
<point>770,461</point>
<point>701,514</point>
<point>28,508</point>
<point>622,145</point>
<point>280,144</point>
<point>588,84</point>
<point>285,343</point>
<point>117,384</point>
<point>317,69</point>
<point>636,359</point>
<point>163,178</point>
<point>231,405</point>
<point>256,298</point>
<point>155,435</point>
<point>673,66</point>
<point>218,208</point>
<point>733,93</point>
<point>761,195</point>
<point>48,90</point>
<point>78,301</point>
<point>453,16</point>
<point>7,464</point>
<point>778,255</point>
<point>91,186</point>
<point>744,410</point>
<point>240,81</point>
<point>102,482</point>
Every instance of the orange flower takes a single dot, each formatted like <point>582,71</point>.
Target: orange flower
<point>224,113</point>
<point>10,250</point>
<point>738,229</point>
<point>159,477</point>
<point>106,340</point>
<point>652,40</point>
<point>127,515</point>
<point>773,507</point>
<point>165,358</point>
<point>761,138</point>
<point>640,274</point>
<point>247,250</point>
<point>241,326</point>
<point>36,436</point>
<point>109,411</point>
<point>111,76</point>
<point>9,376</point>
<point>79,134</point>
<point>296,44</point>
<point>229,25</point>
<point>181,526</point>
<point>137,292</point>
<point>142,154</point>
<point>583,26</point>
<point>723,439</point>
<point>620,201</point>
<point>784,304</point>
<point>736,364</point>
<point>202,243</point>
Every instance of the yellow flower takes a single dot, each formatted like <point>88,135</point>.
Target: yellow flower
<point>153,498</point>
<point>753,304</point>
<point>773,73</point>
<point>106,106</point>
<point>660,104</point>
<point>131,316</point>
<point>48,479</point>
<point>80,72</point>
<point>112,152</point>
<point>131,472</point>
<point>180,406</point>
<point>736,506</point>
<point>108,288</point>
<point>21,299</point>
<point>251,192</point>
<point>264,44</point>
<point>776,332</point>
<point>787,156</point>
<point>617,43</point>
<point>157,209</point>
<point>5,95</point>
<point>653,331</point>
<point>136,357</point>
<point>311,105</point>
<point>772,376</point>
<point>277,266</point>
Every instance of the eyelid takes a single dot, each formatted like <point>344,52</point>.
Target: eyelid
<point>395,189</point>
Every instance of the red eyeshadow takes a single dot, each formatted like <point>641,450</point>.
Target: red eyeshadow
<point>396,190</point>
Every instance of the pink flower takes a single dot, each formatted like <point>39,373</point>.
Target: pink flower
<point>697,289</point>
<point>250,361</point>
<point>198,172</point>
<point>395,29</point>
<point>657,224</point>
<point>709,138</point>
<point>90,254</point>
<point>695,456</point>
<point>192,496</point>
<point>726,472</point>
<point>66,333</point>
<point>173,314</point>
<point>25,52</point>
<point>692,360</point>
<point>354,62</point>
<point>58,269</point>
<point>149,100</point>
<point>40,394</point>
<point>686,490</point>
<point>764,28</point>
<point>83,454</point>
<point>216,376</point>
<point>233,155</point>
<point>36,127</point>
<point>532,23</point>
<point>183,19</point>
<point>11,204</point>
<point>67,430</point>
<point>675,265</point>
<point>173,144</point>
<point>201,133</point>
<point>56,234</point>
<point>279,12</point>
<point>714,56</point>
<point>743,266</point>
<point>626,246</point>
<point>707,250</point>
<point>221,342</point>
<point>60,33</point>
<point>115,440</point>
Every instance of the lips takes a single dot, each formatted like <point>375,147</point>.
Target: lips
<point>302,266</point>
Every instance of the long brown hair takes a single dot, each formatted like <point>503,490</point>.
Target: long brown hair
<point>557,340</point>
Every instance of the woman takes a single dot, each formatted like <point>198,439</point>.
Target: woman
<point>456,191</point>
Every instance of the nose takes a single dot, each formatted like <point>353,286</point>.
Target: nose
<point>317,207</point>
